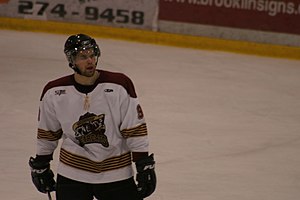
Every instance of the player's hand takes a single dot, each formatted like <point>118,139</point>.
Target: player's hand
<point>42,176</point>
<point>146,177</point>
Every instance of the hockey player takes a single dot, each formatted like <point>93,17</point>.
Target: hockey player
<point>97,115</point>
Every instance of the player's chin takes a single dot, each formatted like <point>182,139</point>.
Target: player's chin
<point>89,72</point>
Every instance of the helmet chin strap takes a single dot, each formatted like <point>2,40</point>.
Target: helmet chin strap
<point>75,68</point>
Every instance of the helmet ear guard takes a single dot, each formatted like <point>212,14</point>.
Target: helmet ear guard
<point>79,42</point>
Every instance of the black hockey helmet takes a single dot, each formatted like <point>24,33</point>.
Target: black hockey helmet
<point>79,42</point>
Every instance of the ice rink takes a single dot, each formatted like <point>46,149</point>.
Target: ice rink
<point>222,126</point>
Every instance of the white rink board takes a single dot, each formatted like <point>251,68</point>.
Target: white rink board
<point>139,14</point>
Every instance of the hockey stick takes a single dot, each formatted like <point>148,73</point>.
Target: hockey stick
<point>49,195</point>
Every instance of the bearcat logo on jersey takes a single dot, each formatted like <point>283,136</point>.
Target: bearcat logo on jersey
<point>90,129</point>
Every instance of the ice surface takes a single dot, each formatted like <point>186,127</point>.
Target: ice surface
<point>222,126</point>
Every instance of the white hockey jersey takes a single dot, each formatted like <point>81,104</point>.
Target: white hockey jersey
<point>99,130</point>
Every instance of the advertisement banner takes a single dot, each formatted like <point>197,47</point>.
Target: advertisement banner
<point>280,16</point>
<point>140,14</point>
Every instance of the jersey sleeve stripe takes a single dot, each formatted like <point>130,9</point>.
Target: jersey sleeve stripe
<point>86,164</point>
<point>140,130</point>
<point>49,135</point>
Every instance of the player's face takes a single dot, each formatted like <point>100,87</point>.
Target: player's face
<point>85,61</point>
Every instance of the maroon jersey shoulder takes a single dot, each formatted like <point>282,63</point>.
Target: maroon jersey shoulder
<point>63,81</point>
<point>118,78</point>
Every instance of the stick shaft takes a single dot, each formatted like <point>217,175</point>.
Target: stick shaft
<point>49,195</point>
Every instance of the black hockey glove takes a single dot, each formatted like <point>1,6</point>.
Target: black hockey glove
<point>146,177</point>
<point>42,176</point>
